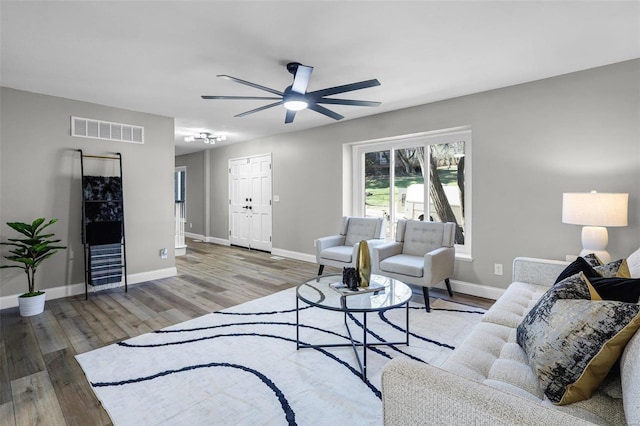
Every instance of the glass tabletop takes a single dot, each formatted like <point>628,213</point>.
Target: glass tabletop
<point>318,292</point>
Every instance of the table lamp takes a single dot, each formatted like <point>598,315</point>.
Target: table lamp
<point>595,211</point>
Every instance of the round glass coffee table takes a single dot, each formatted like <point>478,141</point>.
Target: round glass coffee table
<point>383,294</point>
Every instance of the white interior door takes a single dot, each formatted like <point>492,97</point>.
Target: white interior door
<point>238,202</point>
<point>260,202</point>
<point>250,202</point>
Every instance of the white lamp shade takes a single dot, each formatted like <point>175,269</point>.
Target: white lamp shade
<point>595,209</point>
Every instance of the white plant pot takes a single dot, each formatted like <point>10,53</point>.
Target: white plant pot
<point>30,306</point>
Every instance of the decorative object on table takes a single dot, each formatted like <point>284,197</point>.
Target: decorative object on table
<point>29,253</point>
<point>350,278</point>
<point>363,264</point>
<point>595,211</point>
<point>348,291</point>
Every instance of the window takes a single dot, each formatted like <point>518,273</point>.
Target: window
<point>419,177</point>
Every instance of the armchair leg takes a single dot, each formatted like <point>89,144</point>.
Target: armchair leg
<point>446,281</point>
<point>321,269</point>
<point>425,293</point>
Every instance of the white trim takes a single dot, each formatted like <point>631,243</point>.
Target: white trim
<point>207,192</point>
<point>294,255</point>
<point>406,141</point>
<point>219,241</point>
<point>75,289</point>
<point>464,287</point>
<point>195,236</point>
<point>473,289</point>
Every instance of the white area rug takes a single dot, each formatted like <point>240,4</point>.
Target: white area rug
<point>240,366</point>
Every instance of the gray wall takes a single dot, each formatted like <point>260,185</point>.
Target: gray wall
<point>531,143</point>
<point>195,190</point>
<point>40,176</point>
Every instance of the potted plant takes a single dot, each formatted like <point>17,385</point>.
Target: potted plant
<point>29,253</point>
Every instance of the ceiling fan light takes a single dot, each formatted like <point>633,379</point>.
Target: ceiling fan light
<point>295,105</point>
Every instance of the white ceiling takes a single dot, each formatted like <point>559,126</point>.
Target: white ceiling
<point>160,56</point>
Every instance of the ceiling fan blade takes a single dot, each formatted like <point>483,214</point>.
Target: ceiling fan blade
<point>250,84</point>
<point>240,97</point>
<point>301,79</point>
<point>347,102</point>
<point>344,88</point>
<point>290,116</point>
<point>259,109</point>
<point>325,111</point>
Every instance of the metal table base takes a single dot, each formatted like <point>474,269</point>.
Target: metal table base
<point>362,363</point>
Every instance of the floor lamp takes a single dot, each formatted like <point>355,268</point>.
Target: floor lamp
<point>595,211</point>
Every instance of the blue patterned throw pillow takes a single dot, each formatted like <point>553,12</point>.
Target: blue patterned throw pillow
<point>572,339</point>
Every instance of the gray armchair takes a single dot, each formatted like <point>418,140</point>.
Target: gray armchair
<point>342,250</point>
<point>423,254</point>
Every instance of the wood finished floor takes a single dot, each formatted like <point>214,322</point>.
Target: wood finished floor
<point>42,384</point>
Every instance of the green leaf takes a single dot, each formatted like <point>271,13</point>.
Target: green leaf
<point>30,252</point>
<point>51,222</point>
<point>36,223</point>
<point>22,228</point>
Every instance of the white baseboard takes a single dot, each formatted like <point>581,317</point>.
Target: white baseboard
<point>75,289</point>
<point>294,255</point>
<point>219,241</point>
<point>473,289</point>
<point>194,236</point>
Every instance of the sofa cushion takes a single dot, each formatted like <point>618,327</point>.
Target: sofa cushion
<point>339,253</point>
<point>572,344</point>
<point>630,378</point>
<point>620,289</point>
<point>404,264</point>
<point>422,237</point>
<point>578,265</point>
<point>633,262</point>
<point>593,260</point>
<point>617,268</point>
<point>361,228</point>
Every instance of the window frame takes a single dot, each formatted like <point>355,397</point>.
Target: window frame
<point>463,251</point>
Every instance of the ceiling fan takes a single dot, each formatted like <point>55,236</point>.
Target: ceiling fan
<point>296,98</point>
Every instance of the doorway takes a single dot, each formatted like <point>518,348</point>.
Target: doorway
<point>250,202</point>
<point>180,215</point>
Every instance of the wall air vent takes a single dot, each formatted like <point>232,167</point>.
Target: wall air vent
<point>98,129</point>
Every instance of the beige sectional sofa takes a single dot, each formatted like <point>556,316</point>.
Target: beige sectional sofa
<point>488,381</point>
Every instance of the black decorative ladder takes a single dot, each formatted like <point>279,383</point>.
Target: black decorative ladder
<point>105,249</point>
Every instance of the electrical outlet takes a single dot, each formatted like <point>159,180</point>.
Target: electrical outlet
<point>497,269</point>
<point>190,225</point>
<point>164,253</point>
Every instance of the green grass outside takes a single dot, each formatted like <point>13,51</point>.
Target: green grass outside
<point>378,186</point>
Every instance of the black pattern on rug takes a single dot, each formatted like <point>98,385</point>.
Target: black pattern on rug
<point>208,344</point>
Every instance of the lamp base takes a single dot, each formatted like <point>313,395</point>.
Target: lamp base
<point>595,240</point>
